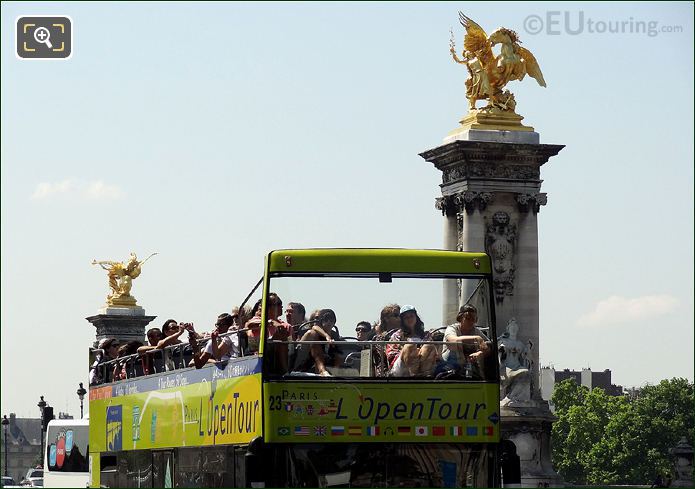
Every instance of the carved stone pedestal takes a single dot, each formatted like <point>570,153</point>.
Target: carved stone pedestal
<point>121,324</point>
<point>682,464</point>
<point>528,427</point>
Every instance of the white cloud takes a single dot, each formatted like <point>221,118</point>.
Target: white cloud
<point>96,190</point>
<point>617,310</point>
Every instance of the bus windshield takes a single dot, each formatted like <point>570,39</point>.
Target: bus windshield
<point>381,325</point>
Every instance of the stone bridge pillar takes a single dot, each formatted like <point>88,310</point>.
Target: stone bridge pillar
<point>491,196</point>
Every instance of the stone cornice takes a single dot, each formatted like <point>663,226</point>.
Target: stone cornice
<point>460,153</point>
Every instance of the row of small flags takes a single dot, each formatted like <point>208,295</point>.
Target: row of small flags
<point>377,430</point>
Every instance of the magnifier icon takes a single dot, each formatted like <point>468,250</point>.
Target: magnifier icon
<point>43,36</point>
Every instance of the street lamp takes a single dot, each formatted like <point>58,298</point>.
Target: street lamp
<point>42,405</point>
<point>80,393</point>
<point>5,422</point>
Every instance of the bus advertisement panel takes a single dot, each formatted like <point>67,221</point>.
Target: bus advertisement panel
<point>211,406</point>
<point>327,412</point>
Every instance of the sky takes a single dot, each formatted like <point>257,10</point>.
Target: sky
<point>212,133</point>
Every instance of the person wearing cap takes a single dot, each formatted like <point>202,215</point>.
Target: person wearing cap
<point>412,359</point>
<point>464,343</point>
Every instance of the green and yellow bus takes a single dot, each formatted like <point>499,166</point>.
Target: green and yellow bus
<point>266,418</point>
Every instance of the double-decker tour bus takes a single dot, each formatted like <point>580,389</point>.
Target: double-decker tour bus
<point>308,405</point>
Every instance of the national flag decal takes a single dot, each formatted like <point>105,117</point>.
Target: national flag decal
<point>421,431</point>
<point>404,430</point>
<point>472,430</point>
<point>284,430</point>
<point>320,431</point>
<point>373,430</point>
<point>456,431</point>
<point>301,430</point>
<point>355,431</point>
<point>337,430</point>
<point>489,431</point>
<point>438,430</point>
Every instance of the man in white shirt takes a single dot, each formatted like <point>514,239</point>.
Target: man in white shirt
<point>218,349</point>
<point>469,342</point>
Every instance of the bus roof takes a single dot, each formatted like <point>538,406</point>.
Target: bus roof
<point>69,422</point>
<point>376,260</point>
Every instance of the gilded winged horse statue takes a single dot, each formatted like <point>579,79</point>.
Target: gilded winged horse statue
<point>121,276</point>
<point>489,74</point>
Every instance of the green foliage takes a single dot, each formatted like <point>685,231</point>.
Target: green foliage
<point>601,439</point>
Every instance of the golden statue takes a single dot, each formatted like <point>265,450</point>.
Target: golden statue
<point>489,74</point>
<point>121,276</point>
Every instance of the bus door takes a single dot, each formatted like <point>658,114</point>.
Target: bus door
<point>163,468</point>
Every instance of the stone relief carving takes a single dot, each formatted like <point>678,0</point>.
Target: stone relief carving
<point>527,202</point>
<point>500,244</point>
<point>444,204</point>
<point>467,200</point>
<point>470,201</point>
<point>490,170</point>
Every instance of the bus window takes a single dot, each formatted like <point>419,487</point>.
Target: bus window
<point>109,471</point>
<point>408,342</point>
<point>205,467</point>
<point>392,465</point>
<point>66,458</point>
<point>136,469</point>
<point>67,448</point>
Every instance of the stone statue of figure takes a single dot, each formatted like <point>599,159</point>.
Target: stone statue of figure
<point>515,385</point>
<point>489,74</point>
<point>121,276</point>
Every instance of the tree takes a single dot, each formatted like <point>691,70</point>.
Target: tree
<point>600,439</point>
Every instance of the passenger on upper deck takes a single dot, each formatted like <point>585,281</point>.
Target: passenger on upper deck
<point>363,331</point>
<point>107,350</point>
<point>154,336</point>
<point>389,319</point>
<point>120,371</point>
<point>295,314</point>
<point>471,343</point>
<point>277,329</point>
<point>412,359</point>
<point>321,356</point>
<point>172,331</point>
<point>217,349</point>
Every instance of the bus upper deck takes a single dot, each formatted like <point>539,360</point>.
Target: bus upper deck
<point>289,393</point>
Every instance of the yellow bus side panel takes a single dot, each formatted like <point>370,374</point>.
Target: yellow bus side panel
<point>325,411</point>
<point>224,411</point>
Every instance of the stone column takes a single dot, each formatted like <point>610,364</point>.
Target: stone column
<point>450,303</point>
<point>526,286</point>
<point>472,233</point>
